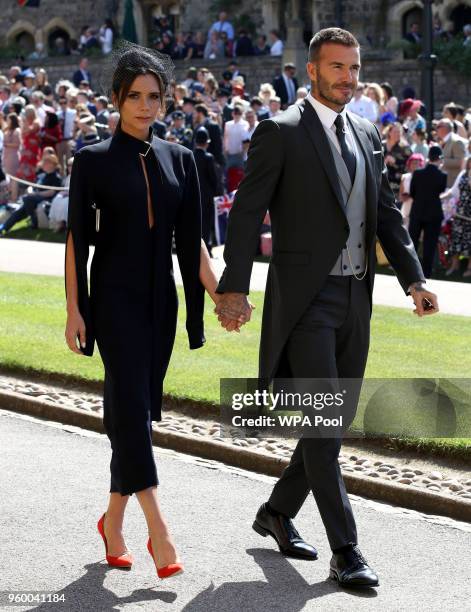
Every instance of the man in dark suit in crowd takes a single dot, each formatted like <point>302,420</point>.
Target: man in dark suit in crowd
<point>209,183</point>
<point>234,71</point>
<point>82,73</point>
<point>201,119</point>
<point>319,171</point>
<point>286,85</point>
<point>426,213</point>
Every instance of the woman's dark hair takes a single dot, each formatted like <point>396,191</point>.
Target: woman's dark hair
<point>109,24</point>
<point>451,108</point>
<point>13,121</point>
<point>335,36</point>
<point>126,62</point>
<point>51,120</point>
<point>388,89</point>
<point>124,78</point>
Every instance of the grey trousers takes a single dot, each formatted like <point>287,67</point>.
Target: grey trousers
<point>330,340</point>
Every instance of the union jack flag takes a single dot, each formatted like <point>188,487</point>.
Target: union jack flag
<point>222,206</point>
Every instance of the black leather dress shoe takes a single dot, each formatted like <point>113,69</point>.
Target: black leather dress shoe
<point>283,531</point>
<point>351,569</point>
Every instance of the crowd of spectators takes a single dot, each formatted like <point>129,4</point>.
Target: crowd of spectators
<point>425,166</point>
<point>43,124</point>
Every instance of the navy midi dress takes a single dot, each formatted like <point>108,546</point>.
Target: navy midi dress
<point>130,309</point>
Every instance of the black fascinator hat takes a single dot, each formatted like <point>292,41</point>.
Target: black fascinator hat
<point>127,61</point>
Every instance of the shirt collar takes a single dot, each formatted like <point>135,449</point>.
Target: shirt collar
<point>326,114</point>
<point>447,137</point>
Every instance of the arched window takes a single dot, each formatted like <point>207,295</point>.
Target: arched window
<point>412,16</point>
<point>58,42</point>
<point>25,40</point>
<point>460,16</point>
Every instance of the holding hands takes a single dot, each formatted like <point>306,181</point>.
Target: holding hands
<point>233,310</point>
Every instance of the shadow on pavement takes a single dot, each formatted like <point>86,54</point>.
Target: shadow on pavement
<point>88,593</point>
<point>284,589</point>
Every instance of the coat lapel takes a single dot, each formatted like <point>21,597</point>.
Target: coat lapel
<point>316,132</point>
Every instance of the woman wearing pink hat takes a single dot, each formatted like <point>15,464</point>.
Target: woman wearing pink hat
<point>410,110</point>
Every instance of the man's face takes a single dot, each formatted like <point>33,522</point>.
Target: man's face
<point>334,74</point>
<point>442,130</point>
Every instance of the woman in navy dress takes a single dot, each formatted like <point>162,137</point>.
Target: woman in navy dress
<point>128,196</point>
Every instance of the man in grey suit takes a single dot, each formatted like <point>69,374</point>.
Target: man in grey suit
<point>320,172</point>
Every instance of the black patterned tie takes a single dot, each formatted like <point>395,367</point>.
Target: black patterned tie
<point>347,152</point>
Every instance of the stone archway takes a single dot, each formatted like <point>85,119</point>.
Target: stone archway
<point>446,12</point>
<point>59,26</point>
<point>19,27</point>
<point>145,11</point>
<point>396,14</point>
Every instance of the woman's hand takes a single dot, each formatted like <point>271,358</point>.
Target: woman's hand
<point>75,327</point>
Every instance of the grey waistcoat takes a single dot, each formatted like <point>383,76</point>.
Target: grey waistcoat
<point>354,198</point>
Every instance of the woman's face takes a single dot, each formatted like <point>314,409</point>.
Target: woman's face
<point>395,134</point>
<point>371,93</point>
<point>141,105</point>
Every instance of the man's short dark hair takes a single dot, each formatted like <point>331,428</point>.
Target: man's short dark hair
<point>335,36</point>
<point>202,108</point>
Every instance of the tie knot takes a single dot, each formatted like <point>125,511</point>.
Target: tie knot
<point>339,124</point>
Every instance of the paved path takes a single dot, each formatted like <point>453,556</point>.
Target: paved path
<point>48,258</point>
<point>54,482</point>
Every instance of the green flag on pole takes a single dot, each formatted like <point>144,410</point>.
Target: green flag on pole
<point>129,25</point>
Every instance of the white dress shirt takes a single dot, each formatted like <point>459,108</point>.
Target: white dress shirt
<point>327,117</point>
<point>235,132</point>
<point>68,115</point>
<point>277,48</point>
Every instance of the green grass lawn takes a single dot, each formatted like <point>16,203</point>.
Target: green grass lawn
<point>32,323</point>
<point>23,231</point>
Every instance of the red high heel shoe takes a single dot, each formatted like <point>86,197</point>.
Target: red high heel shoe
<point>168,570</point>
<point>124,560</point>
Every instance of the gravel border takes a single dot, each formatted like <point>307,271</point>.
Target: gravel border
<point>431,492</point>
